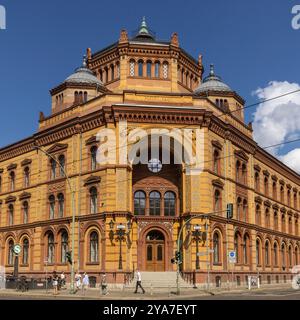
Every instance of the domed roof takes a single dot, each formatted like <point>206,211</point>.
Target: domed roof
<point>212,83</point>
<point>83,75</point>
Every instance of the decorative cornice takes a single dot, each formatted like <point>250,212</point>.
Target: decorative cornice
<point>257,167</point>
<point>10,199</point>
<point>266,173</point>
<point>91,140</point>
<point>57,147</point>
<point>26,162</point>
<point>282,182</point>
<point>275,206</point>
<point>218,183</point>
<point>217,144</point>
<point>12,166</point>
<point>92,180</point>
<point>283,209</point>
<point>267,203</point>
<point>25,195</point>
<point>289,186</point>
<point>241,154</point>
<point>258,199</point>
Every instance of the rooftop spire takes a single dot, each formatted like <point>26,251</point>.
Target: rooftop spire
<point>84,62</point>
<point>143,27</point>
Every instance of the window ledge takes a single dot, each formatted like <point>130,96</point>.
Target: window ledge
<point>92,263</point>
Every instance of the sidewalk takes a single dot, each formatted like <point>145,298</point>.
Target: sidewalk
<point>94,294</point>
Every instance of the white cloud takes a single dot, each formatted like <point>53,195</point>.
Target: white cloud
<point>292,159</point>
<point>278,120</point>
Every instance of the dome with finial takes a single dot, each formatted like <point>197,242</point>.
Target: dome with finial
<point>144,33</point>
<point>83,75</point>
<point>212,83</point>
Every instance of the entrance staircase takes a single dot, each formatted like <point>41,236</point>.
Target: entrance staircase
<point>159,281</point>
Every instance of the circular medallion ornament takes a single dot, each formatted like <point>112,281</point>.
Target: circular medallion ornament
<point>17,249</point>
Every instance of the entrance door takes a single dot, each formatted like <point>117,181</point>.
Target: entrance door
<point>155,251</point>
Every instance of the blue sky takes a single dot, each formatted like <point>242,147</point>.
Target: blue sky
<point>250,43</point>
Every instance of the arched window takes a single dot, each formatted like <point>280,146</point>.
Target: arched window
<point>275,254</point>
<point>112,69</point>
<point>217,201</point>
<point>237,171</point>
<point>11,214</point>
<point>257,181</point>
<point>51,207</point>
<point>289,198</point>
<point>283,256</point>
<point>282,194</point>
<point>101,75</point>
<point>25,250</point>
<point>266,186</point>
<point>244,174</point>
<point>237,244</point>
<point>106,74</point>
<point>0,183</point>
<point>118,70</point>
<point>85,96</point>
<point>267,218</point>
<point>246,249</point>
<point>165,70</point>
<point>12,177</point>
<point>239,208</point>
<point>245,210</point>
<point>154,203</point>
<point>258,250</point>
<point>132,68</point>
<point>93,151</point>
<point>283,223</point>
<point>275,220</point>
<point>64,246</point>
<point>169,203</point>
<point>216,167</point>
<point>50,248</point>
<point>53,169</point>
<point>216,247</point>
<point>139,203</point>
<point>26,177</point>
<point>61,205</point>
<point>257,215</point>
<point>93,200</point>
<point>157,69</point>
<point>25,212</point>
<point>149,69</point>
<point>267,253</point>
<point>290,257</point>
<point>274,190</point>
<point>76,97</point>
<point>140,68</point>
<point>290,225</point>
<point>94,247</point>
<point>62,163</point>
<point>295,200</point>
<point>10,256</point>
<point>296,260</point>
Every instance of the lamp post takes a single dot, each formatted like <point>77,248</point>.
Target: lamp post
<point>73,210</point>
<point>120,235</point>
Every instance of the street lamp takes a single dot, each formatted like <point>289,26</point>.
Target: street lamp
<point>120,235</point>
<point>73,210</point>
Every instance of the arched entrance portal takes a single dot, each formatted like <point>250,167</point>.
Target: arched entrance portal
<point>155,251</point>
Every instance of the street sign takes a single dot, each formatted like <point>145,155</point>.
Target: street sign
<point>232,257</point>
<point>17,249</point>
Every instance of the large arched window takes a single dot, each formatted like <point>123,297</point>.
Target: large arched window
<point>51,207</point>
<point>244,174</point>
<point>93,158</point>
<point>25,212</point>
<point>237,245</point>
<point>25,256</point>
<point>283,227</point>
<point>246,248</point>
<point>11,212</point>
<point>267,218</point>
<point>239,208</point>
<point>139,203</point>
<point>283,256</point>
<point>93,200</point>
<point>61,205</point>
<point>169,203</point>
<point>257,215</point>
<point>282,194</point>
<point>217,248</point>
<point>64,246</point>
<point>217,201</point>
<point>267,253</point>
<point>53,169</point>
<point>256,181</point>
<point>296,258</point>
<point>50,248</point>
<point>149,69</point>
<point>62,163</point>
<point>12,177</point>
<point>157,69</point>
<point>275,254</point>
<point>154,203</point>
<point>245,210</point>
<point>237,171</point>
<point>10,256</point>
<point>26,177</point>
<point>140,68</point>
<point>216,162</point>
<point>266,186</point>
<point>94,247</point>
<point>258,252</point>
<point>275,220</point>
<point>290,257</point>
<point>274,190</point>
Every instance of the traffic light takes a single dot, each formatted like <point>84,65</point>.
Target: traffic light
<point>173,260</point>
<point>229,210</point>
<point>69,256</point>
<point>178,257</point>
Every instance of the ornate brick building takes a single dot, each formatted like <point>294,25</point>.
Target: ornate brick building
<point>151,84</point>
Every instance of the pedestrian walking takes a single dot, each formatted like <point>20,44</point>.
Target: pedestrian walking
<point>55,283</point>
<point>104,285</point>
<point>63,280</point>
<point>138,282</point>
<point>85,282</point>
<point>78,280</point>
